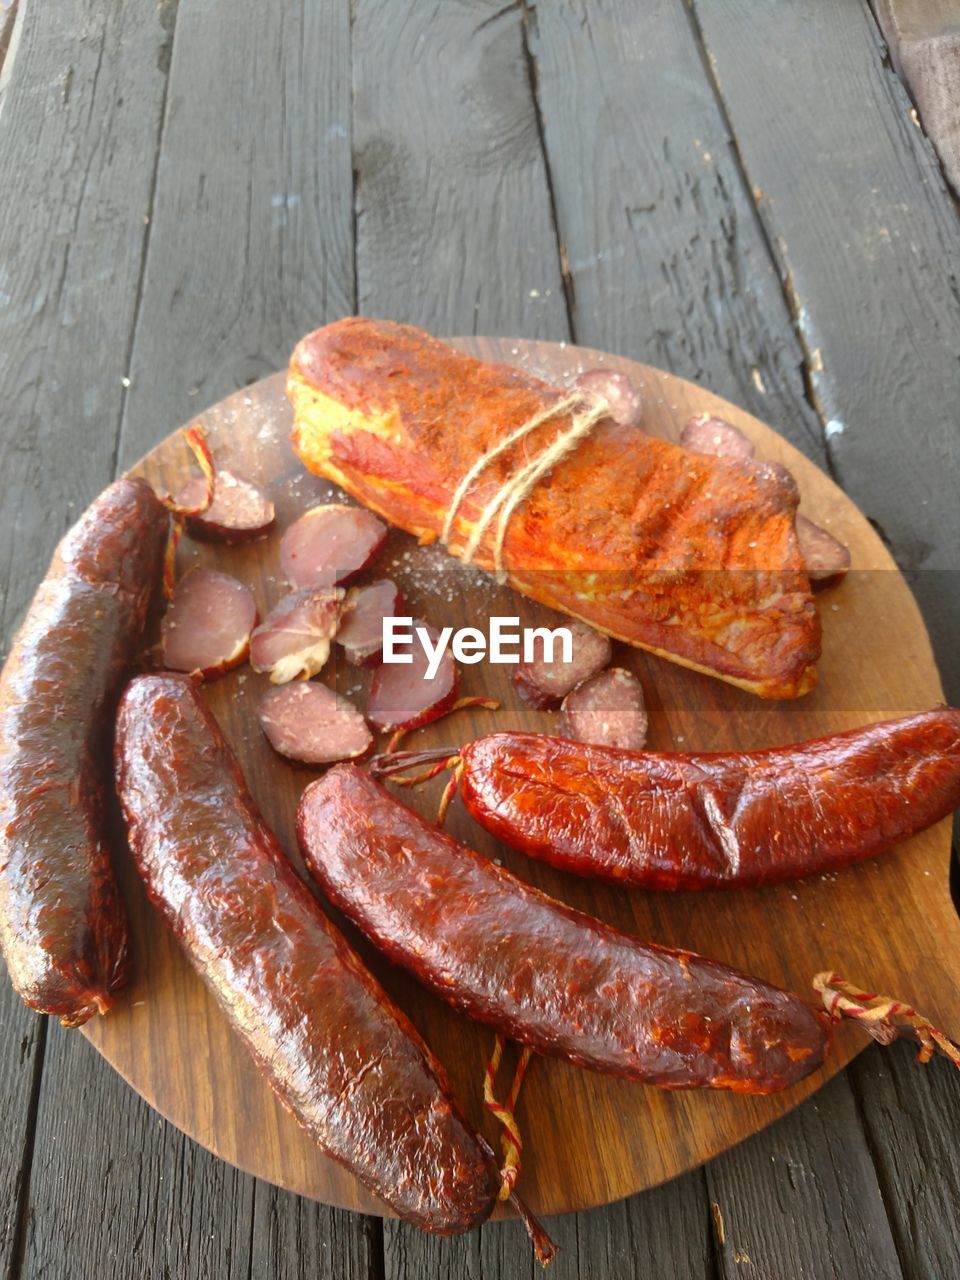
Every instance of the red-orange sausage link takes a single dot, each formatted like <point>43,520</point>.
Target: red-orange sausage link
<point>538,971</point>
<point>707,821</point>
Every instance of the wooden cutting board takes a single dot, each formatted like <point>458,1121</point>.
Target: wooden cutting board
<point>888,924</point>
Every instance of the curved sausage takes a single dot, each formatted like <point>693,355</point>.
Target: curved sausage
<point>62,928</point>
<point>546,975</point>
<point>707,821</point>
<point>342,1059</point>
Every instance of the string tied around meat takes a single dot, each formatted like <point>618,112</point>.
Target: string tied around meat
<point>585,409</point>
<point>882,1017</point>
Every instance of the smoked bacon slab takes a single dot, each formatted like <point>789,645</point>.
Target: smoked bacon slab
<point>692,557</point>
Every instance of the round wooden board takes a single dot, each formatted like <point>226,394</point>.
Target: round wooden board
<point>889,924</point>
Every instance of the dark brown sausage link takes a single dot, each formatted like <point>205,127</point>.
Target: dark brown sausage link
<point>62,927</point>
<point>342,1059</point>
<point>711,821</point>
<point>544,974</point>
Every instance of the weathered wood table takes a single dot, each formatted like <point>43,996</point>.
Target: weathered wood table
<point>740,193</point>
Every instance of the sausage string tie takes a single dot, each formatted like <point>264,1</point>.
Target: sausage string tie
<point>511,1139</point>
<point>585,410</point>
<point>196,438</point>
<point>489,704</point>
<point>882,1017</point>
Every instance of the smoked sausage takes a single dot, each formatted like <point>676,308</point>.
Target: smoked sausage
<point>62,928</point>
<point>715,820</point>
<point>541,973</point>
<point>342,1059</point>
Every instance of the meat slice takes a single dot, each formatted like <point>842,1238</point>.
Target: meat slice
<point>706,434</point>
<point>206,629</point>
<point>294,639</point>
<point>401,695</point>
<point>607,710</point>
<point>618,391</point>
<point>361,624</point>
<point>330,544</point>
<point>545,684</point>
<point>239,510</point>
<point>310,723</point>
<point>825,555</point>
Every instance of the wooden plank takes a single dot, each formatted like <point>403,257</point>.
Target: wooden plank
<point>22,1034</point>
<point>298,1239</point>
<point>71,235</point>
<point>667,261</point>
<point>669,1228</point>
<point>803,1198</point>
<point>454,225</point>
<point>924,41</point>
<point>250,244</point>
<point>71,241</point>
<point>251,240</point>
<point>867,244</point>
<point>8,15</point>
<point>911,1116</point>
<point>135,1196</point>
<point>117,1191</point>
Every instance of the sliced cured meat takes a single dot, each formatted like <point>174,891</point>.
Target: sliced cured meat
<point>608,710</point>
<point>545,684</point>
<point>361,626</point>
<point>330,544</point>
<point>618,391</point>
<point>310,723</point>
<point>293,641</point>
<point>706,434</point>
<point>206,630</point>
<point>825,555</point>
<point>239,510</point>
<point>401,695</point>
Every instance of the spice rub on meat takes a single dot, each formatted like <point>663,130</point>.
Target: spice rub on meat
<point>692,557</point>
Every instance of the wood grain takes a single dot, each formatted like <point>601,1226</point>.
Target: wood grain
<point>170,1042</point>
<point>8,16</point>
<point>667,260</point>
<point>924,41</point>
<point>71,234</point>
<point>251,238</point>
<point>865,235</point>
<point>911,1119</point>
<point>663,1233</point>
<point>454,225</point>
<point>783,1171</point>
